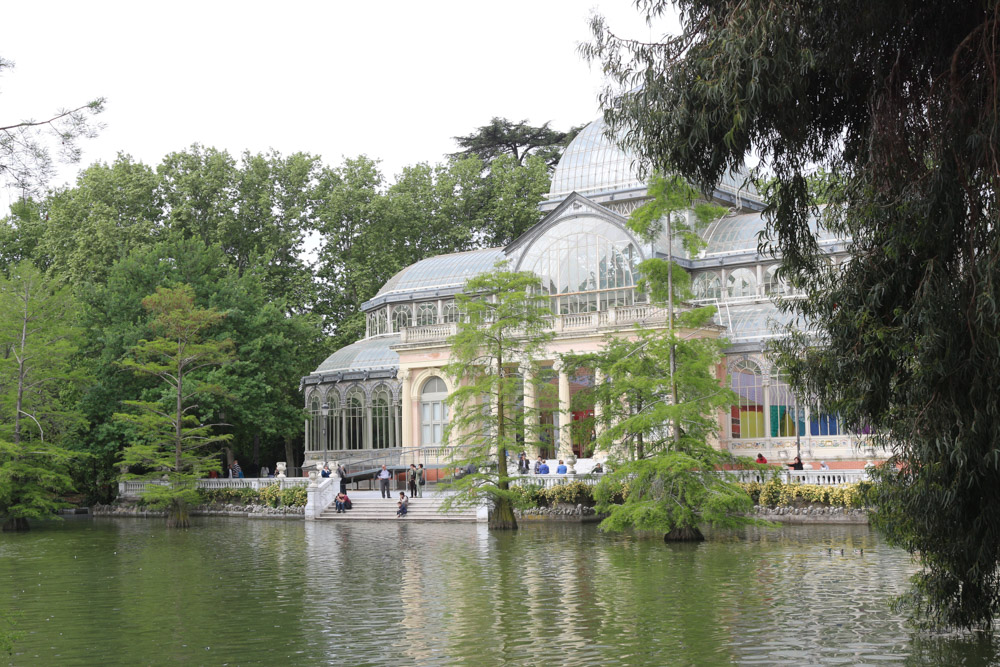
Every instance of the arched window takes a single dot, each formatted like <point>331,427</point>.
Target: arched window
<point>707,286</point>
<point>747,416</point>
<point>333,418</point>
<point>401,317</point>
<point>433,412</point>
<point>785,409</point>
<point>741,282</point>
<point>773,285</point>
<point>354,416</point>
<point>449,313</point>
<point>427,313</point>
<point>381,421</point>
<point>377,323</point>
<point>585,264</point>
<point>315,424</point>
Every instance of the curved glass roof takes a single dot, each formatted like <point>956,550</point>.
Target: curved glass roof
<point>366,355</point>
<point>443,271</point>
<point>753,322</point>
<point>738,234</point>
<point>592,164</point>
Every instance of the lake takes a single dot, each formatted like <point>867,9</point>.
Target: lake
<point>270,592</point>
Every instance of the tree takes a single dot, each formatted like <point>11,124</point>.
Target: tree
<point>660,434</point>
<point>172,443</point>
<point>25,157</point>
<point>499,339</point>
<point>38,338</point>
<point>518,140</point>
<point>896,101</point>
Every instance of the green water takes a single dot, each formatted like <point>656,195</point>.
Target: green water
<point>259,592</point>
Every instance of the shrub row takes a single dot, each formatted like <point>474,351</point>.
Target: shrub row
<point>272,495</point>
<point>773,493</point>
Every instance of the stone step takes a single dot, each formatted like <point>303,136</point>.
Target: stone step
<point>379,509</point>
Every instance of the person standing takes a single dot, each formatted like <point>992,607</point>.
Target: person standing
<point>420,480</point>
<point>383,481</point>
<point>235,470</point>
<point>342,474</point>
<point>411,480</point>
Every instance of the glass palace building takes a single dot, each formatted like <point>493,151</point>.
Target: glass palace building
<point>388,391</point>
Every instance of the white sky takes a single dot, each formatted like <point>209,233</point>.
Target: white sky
<point>395,80</point>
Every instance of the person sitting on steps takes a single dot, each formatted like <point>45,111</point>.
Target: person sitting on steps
<point>402,505</point>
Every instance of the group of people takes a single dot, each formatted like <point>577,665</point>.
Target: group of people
<point>796,463</point>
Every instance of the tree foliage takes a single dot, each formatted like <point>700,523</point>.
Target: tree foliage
<point>499,339</point>
<point>26,146</point>
<point>897,102</point>
<point>39,383</point>
<point>517,140</point>
<point>172,444</point>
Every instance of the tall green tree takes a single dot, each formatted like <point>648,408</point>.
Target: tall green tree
<point>172,443</point>
<point>499,340</point>
<point>38,394</point>
<point>897,101</point>
<point>113,210</point>
<point>517,140</point>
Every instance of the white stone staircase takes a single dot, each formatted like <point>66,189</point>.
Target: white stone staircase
<point>381,509</point>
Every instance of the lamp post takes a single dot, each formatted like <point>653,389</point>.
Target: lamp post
<point>325,411</point>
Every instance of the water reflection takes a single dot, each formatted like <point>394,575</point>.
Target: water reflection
<point>290,593</point>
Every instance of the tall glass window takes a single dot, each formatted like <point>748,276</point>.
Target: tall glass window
<point>381,422</point>
<point>354,416</point>
<point>741,282</point>
<point>823,423</point>
<point>333,421</point>
<point>401,317</point>
<point>785,410</point>
<point>427,313</point>
<point>747,416</point>
<point>586,263</point>
<point>315,424</point>
<point>433,412</point>
<point>449,313</point>
<point>377,322</point>
<point>773,285</point>
<point>707,286</point>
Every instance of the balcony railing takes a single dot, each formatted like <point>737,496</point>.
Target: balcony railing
<point>592,321</point>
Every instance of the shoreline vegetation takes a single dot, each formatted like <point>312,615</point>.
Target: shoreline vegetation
<point>773,501</point>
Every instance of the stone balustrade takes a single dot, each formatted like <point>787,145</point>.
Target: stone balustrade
<point>135,488</point>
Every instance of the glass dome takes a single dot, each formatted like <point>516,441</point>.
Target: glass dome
<point>369,354</point>
<point>592,164</point>
<point>443,271</point>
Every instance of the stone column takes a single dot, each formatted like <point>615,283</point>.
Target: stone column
<point>599,453</point>
<point>406,439</point>
<point>531,421</point>
<point>565,416</point>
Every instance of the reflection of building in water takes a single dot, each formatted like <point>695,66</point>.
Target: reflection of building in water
<point>388,391</point>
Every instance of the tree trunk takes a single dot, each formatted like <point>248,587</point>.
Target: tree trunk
<point>256,450</point>
<point>684,534</point>
<point>16,525</point>
<point>289,454</point>
<point>177,515</point>
<point>502,516</point>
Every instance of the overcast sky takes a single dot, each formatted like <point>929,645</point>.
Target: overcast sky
<point>393,80</point>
